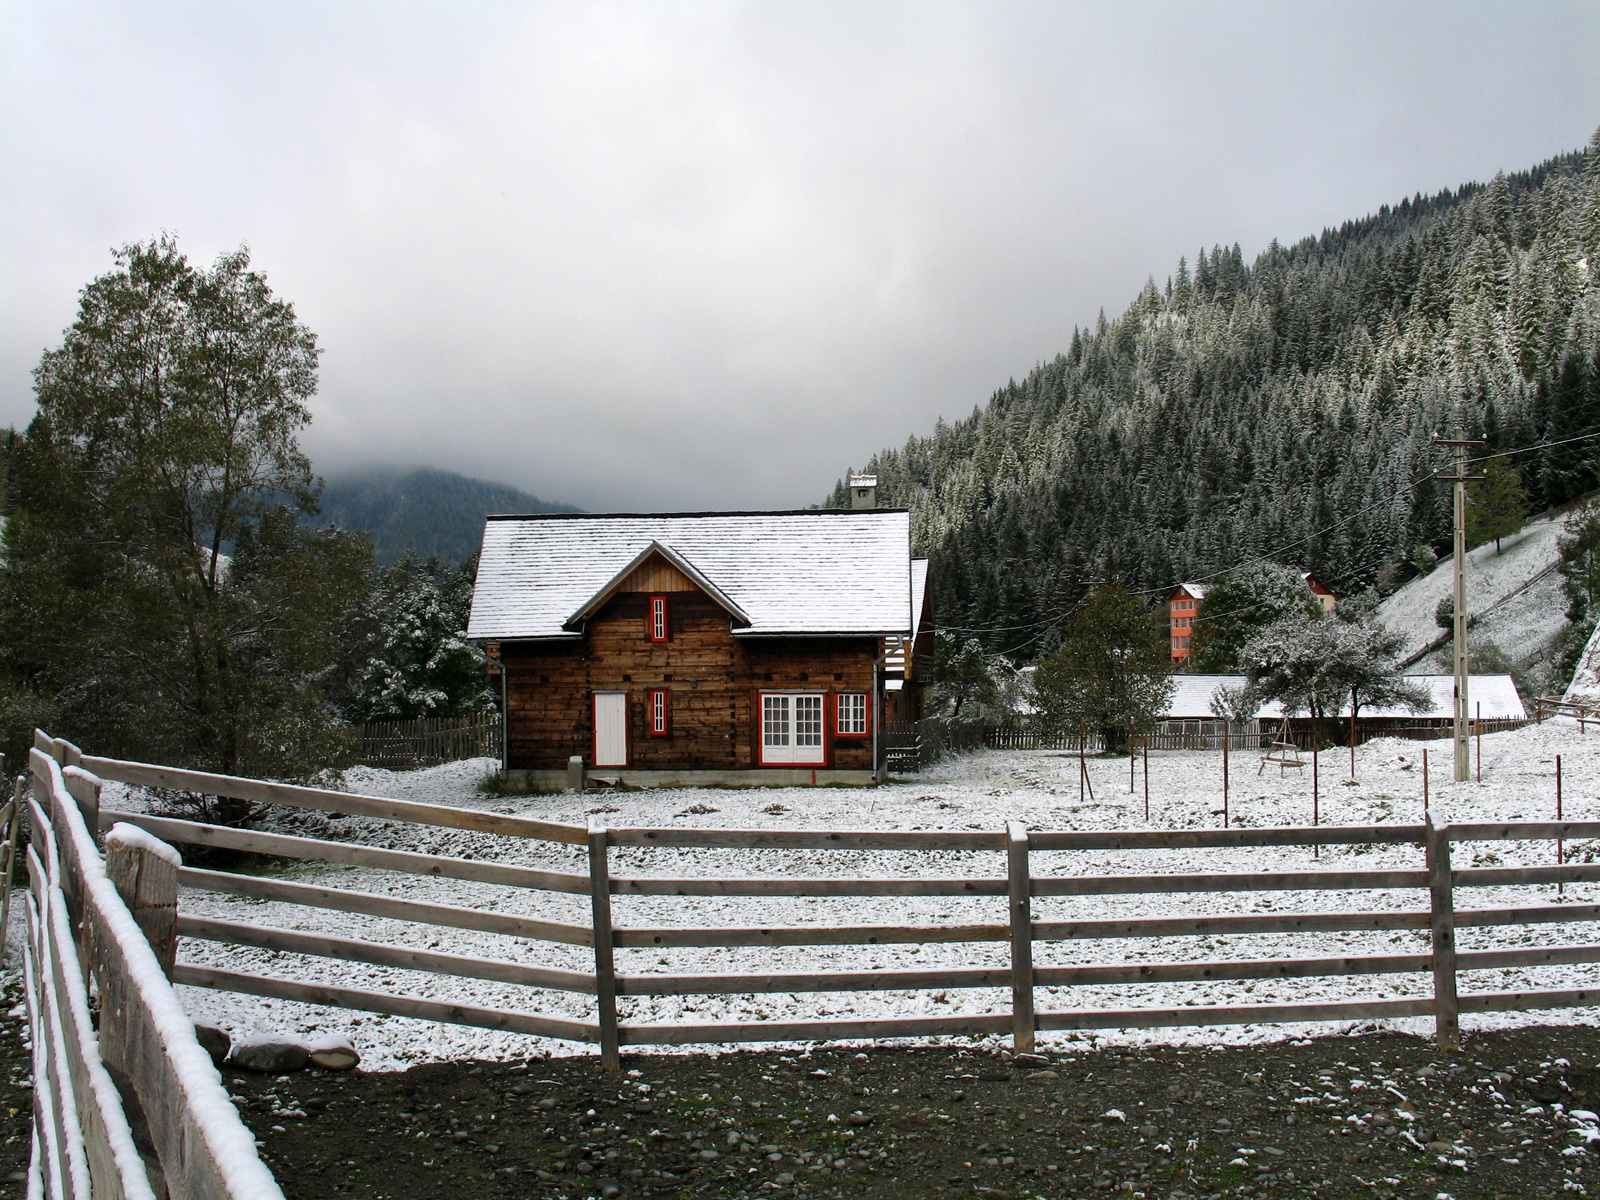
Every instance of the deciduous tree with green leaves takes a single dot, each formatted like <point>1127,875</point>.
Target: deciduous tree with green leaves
<point>159,589</point>
<point>1110,671</point>
<point>1241,604</point>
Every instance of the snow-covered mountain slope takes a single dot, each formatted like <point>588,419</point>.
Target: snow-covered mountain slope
<point>1515,596</point>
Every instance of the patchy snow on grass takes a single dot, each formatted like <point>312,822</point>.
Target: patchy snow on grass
<point>1522,625</point>
<point>981,791</point>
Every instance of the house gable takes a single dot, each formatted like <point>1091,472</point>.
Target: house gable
<point>656,561</point>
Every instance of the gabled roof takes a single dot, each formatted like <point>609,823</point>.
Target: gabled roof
<point>1196,590</point>
<point>595,602</point>
<point>813,572</point>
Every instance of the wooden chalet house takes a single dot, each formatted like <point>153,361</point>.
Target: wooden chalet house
<point>703,648</point>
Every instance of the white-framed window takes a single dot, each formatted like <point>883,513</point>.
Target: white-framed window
<point>657,622</point>
<point>660,712</point>
<point>851,720</point>
<point>791,728</point>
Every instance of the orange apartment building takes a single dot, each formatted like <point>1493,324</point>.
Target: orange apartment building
<point>1184,606</point>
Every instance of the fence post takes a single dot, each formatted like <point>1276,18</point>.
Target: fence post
<point>1447,1007</point>
<point>605,975</point>
<point>145,874</point>
<point>1019,887</point>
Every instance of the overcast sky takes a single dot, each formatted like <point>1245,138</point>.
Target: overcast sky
<point>668,256</point>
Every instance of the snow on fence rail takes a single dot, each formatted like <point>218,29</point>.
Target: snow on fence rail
<point>1014,925</point>
<point>134,1108</point>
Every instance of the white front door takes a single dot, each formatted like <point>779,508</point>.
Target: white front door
<point>792,728</point>
<point>611,729</point>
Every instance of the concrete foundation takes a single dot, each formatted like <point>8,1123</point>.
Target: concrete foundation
<point>563,779</point>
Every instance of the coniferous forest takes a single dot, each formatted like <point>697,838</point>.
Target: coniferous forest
<point>1282,408</point>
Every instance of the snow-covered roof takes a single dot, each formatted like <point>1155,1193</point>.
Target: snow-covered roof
<point>1196,590</point>
<point>1496,694</point>
<point>919,591</point>
<point>1191,698</point>
<point>811,572</point>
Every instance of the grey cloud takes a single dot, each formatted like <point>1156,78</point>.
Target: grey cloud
<point>655,257</point>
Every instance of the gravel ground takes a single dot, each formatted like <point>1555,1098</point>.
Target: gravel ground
<point>1375,1116</point>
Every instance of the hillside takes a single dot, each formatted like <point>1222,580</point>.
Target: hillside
<point>422,509</point>
<point>1284,408</point>
<point>1515,598</point>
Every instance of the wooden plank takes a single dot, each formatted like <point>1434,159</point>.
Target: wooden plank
<point>1061,931</point>
<point>1267,968</point>
<point>114,1163</point>
<point>1545,956</point>
<point>1527,1001</point>
<point>71,1166</point>
<point>47,1151</point>
<point>1507,876</point>
<point>1523,830</point>
<point>1539,914</point>
<point>316,850</point>
<point>396,1006</point>
<point>605,974</point>
<point>1442,901</point>
<point>1018,894</point>
<point>439,815</point>
<point>204,1148</point>
<point>1254,881</point>
<point>1176,839</point>
<point>796,839</point>
<point>812,1031</point>
<point>404,958</point>
<point>807,886</point>
<point>148,885</point>
<point>1239,1014</point>
<point>809,935</point>
<point>730,984</point>
<point>372,905</point>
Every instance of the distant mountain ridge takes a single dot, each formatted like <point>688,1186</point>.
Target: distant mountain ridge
<point>422,509</point>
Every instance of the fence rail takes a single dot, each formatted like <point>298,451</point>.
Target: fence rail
<point>429,741</point>
<point>132,1108</point>
<point>1020,878</point>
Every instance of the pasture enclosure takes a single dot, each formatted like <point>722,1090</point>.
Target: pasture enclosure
<point>1012,868</point>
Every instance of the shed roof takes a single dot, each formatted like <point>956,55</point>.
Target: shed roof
<point>1191,698</point>
<point>806,573</point>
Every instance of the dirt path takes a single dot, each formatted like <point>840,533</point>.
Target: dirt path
<point>1374,1116</point>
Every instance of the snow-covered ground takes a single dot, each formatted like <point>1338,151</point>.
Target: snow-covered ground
<point>1514,593</point>
<point>977,792</point>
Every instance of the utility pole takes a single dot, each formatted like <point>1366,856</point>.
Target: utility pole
<point>1459,444</point>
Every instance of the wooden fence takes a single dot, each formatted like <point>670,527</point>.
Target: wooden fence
<point>1020,849</point>
<point>131,1109</point>
<point>429,741</point>
<point>1028,736</point>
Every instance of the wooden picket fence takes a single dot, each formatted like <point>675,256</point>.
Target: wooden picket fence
<point>131,1108</point>
<point>429,741</point>
<point>1024,852</point>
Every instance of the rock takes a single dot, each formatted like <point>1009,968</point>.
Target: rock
<point>268,1053</point>
<point>609,1188</point>
<point>214,1042</point>
<point>783,1178</point>
<point>1030,1060</point>
<point>860,1118</point>
<point>334,1052</point>
<point>1043,1076</point>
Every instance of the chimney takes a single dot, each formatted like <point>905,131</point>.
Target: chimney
<point>863,491</point>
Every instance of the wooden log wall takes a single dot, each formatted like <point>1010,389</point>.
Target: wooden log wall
<point>711,677</point>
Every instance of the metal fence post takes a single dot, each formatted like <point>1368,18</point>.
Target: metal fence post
<point>1019,887</point>
<point>1447,1006</point>
<point>605,975</point>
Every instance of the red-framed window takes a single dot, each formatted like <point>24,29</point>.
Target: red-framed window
<point>656,619</point>
<point>851,714</point>
<point>659,712</point>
